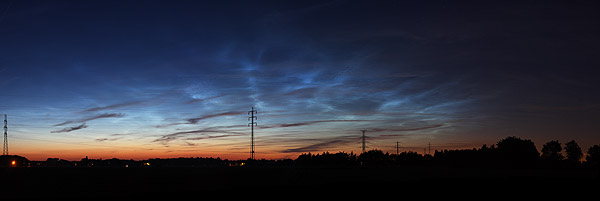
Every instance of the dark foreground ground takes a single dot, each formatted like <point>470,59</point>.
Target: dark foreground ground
<point>126,183</point>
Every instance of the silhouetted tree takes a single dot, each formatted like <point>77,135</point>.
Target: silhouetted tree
<point>407,158</point>
<point>304,159</point>
<point>337,159</point>
<point>574,153</point>
<point>593,156</point>
<point>552,151</point>
<point>374,158</point>
<point>514,151</point>
<point>485,156</point>
<point>465,157</point>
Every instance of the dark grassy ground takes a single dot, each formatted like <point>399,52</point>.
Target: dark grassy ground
<point>75,183</point>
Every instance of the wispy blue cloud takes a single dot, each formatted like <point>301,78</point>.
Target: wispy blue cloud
<point>82,120</point>
<point>69,129</point>
<point>113,106</point>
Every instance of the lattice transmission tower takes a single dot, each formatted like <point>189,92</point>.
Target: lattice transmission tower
<point>5,148</point>
<point>364,141</point>
<point>252,123</point>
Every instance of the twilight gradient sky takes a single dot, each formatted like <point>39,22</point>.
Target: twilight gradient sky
<point>146,79</point>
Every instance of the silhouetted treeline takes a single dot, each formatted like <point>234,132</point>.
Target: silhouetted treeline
<point>510,152</point>
<point>327,159</point>
<point>156,162</point>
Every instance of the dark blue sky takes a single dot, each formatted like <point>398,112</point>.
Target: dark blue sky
<point>139,79</point>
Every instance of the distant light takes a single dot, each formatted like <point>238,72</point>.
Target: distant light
<point>242,164</point>
<point>13,162</point>
<point>146,164</point>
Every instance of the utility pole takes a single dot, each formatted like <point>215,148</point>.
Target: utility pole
<point>364,147</point>
<point>5,148</point>
<point>397,147</point>
<point>252,123</point>
<point>429,151</point>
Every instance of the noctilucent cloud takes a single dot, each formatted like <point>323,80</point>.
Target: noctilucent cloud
<point>147,79</point>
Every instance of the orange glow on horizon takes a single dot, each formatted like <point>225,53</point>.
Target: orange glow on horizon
<point>78,154</point>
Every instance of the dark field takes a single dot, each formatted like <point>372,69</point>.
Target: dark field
<point>139,182</point>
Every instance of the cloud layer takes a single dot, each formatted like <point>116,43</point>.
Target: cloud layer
<point>114,106</point>
<point>69,129</point>
<point>315,71</point>
<point>82,120</point>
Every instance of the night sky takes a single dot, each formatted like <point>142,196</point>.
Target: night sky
<point>147,79</point>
